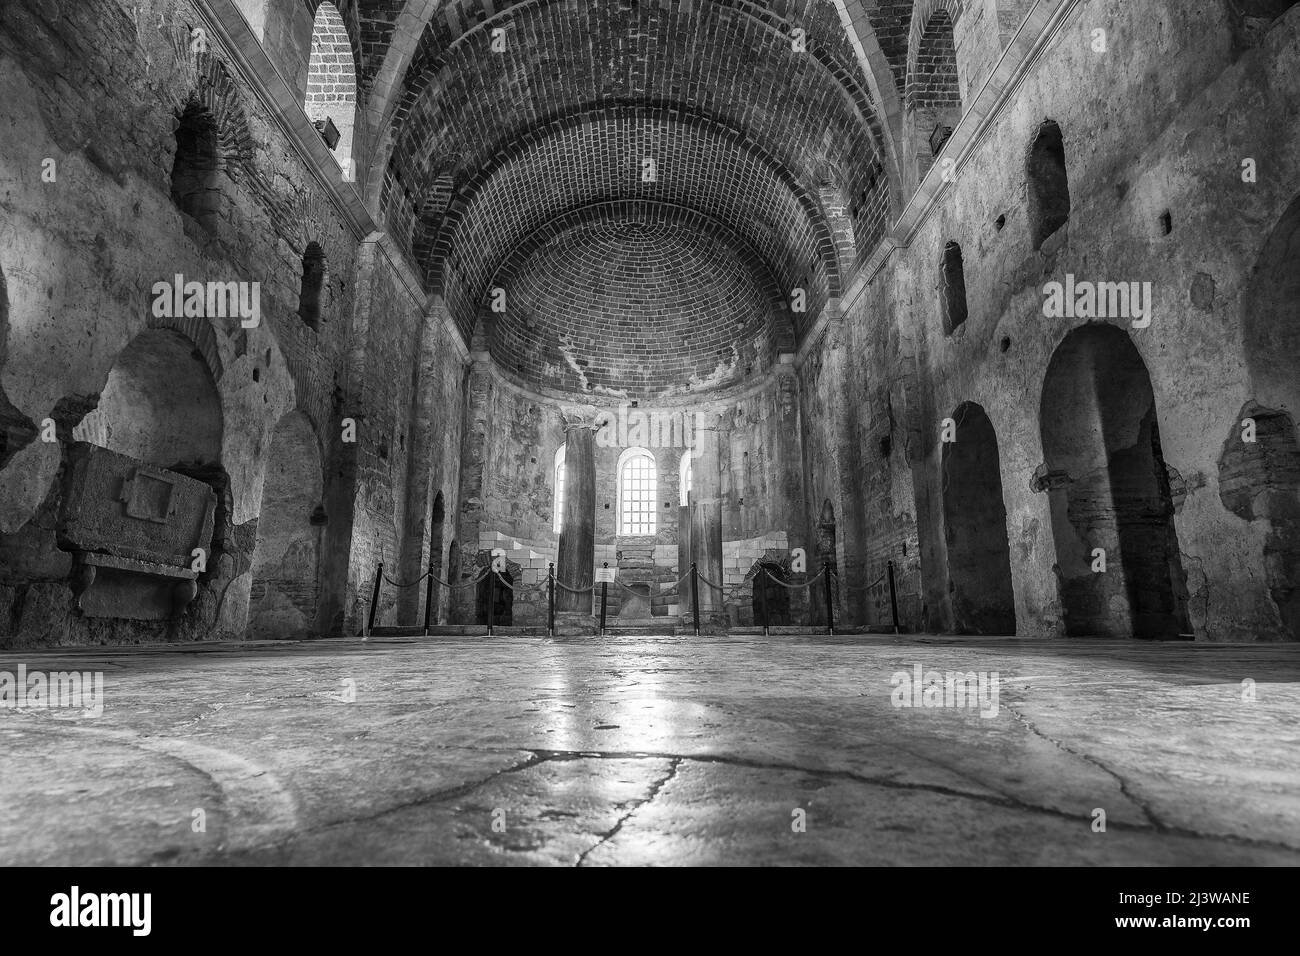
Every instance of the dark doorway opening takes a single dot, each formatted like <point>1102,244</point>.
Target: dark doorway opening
<point>437,527</point>
<point>503,605</point>
<point>1118,560</point>
<point>975,528</point>
<point>771,600</point>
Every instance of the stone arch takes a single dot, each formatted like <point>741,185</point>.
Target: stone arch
<point>932,93</point>
<point>214,92</point>
<point>1048,183</point>
<point>975,528</point>
<point>286,562</point>
<point>331,94</point>
<point>1119,565</point>
<point>1260,480</point>
<point>212,140</point>
<point>159,404</point>
<point>199,331</point>
<point>195,182</point>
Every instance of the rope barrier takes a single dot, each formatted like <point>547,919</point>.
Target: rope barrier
<point>408,584</point>
<point>467,584</point>
<point>560,584</point>
<point>717,587</point>
<point>792,586</point>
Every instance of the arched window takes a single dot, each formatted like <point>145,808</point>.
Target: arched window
<point>559,488</point>
<point>313,281</point>
<point>1049,185</point>
<point>636,492</point>
<point>687,475</point>
<point>953,284</point>
<point>195,183</point>
<point>933,90</point>
<point>332,83</point>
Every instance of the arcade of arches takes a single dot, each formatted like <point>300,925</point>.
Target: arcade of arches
<point>313,313</point>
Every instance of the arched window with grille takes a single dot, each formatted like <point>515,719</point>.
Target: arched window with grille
<point>636,492</point>
<point>559,488</point>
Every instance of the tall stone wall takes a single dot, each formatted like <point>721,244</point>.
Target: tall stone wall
<point>93,96</point>
<point>1158,195</point>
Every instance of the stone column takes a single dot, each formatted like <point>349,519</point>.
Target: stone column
<point>706,522</point>
<point>684,561</point>
<point>575,563</point>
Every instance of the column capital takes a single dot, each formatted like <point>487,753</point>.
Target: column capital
<point>582,416</point>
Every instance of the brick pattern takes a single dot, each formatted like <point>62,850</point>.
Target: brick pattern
<point>891,21</point>
<point>332,71</point>
<point>932,81</point>
<point>377,19</point>
<point>596,158</point>
<point>933,93</point>
<point>463,106</point>
<point>350,14</point>
<point>637,299</point>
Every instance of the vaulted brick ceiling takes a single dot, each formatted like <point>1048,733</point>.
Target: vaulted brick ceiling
<point>771,149</point>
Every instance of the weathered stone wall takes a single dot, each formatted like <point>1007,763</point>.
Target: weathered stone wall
<point>1157,195</point>
<point>97,88</point>
<point>508,488</point>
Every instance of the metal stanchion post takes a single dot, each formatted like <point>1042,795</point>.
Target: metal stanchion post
<point>893,597</point>
<point>492,596</point>
<point>550,600</point>
<point>428,597</point>
<point>762,599</point>
<point>374,598</point>
<point>830,604</point>
<point>604,596</point>
<point>695,597</point>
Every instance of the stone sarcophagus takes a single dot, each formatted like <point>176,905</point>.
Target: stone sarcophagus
<point>133,529</point>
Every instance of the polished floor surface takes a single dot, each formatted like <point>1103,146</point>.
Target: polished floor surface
<point>630,751</point>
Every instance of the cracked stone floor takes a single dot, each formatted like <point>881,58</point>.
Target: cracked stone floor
<point>656,751</point>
